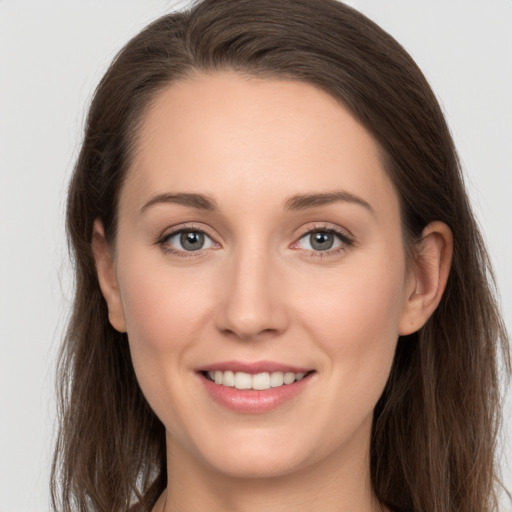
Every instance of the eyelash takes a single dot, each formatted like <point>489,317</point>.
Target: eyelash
<point>346,241</point>
<point>163,240</point>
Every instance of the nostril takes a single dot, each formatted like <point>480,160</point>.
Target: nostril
<point>248,335</point>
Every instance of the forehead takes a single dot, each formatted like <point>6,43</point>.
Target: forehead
<point>215,133</point>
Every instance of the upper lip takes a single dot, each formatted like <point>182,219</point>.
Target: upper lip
<point>253,367</point>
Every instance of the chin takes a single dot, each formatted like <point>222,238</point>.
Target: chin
<point>258,465</point>
<point>246,454</point>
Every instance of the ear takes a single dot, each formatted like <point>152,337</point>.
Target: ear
<point>105,267</point>
<point>427,277</point>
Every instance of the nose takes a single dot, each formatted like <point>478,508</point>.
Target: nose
<point>252,301</point>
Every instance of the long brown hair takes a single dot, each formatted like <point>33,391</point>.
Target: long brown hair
<point>436,425</point>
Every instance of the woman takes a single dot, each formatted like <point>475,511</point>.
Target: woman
<point>282,296</point>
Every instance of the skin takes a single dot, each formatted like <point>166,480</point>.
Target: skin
<point>259,291</point>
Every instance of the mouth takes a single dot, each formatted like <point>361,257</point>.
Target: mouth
<point>249,388</point>
<point>258,381</point>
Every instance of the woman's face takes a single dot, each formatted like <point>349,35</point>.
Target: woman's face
<point>259,242</point>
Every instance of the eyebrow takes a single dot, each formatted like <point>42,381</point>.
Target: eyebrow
<point>293,203</point>
<point>198,201</point>
<point>305,201</point>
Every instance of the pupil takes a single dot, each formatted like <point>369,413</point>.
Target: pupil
<point>322,241</point>
<point>192,241</point>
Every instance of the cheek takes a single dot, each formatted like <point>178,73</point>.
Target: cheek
<point>160,305</point>
<point>358,334</point>
<point>355,318</point>
<point>164,312</point>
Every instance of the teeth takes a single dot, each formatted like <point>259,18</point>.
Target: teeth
<point>276,379</point>
<point>228,379</point>
<point>259,381</point>
<point>242,380</point>
<point>289,377</point>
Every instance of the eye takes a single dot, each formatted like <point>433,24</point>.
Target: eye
<point>323,240</point>
<point>187,240</point>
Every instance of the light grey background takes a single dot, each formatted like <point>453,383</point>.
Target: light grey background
<point>53,53</point>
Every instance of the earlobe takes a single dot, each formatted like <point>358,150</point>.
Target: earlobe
<point>107,278</point>
<point>428,276</point>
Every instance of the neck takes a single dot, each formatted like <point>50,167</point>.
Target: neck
<point>339,483</point>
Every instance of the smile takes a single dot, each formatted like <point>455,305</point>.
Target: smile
<point>259,381</point>
<point>254,388</point>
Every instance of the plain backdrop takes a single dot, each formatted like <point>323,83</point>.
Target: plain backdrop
<point>53,53</point>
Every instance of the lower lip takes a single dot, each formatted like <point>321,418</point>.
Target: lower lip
<point>251,401</point>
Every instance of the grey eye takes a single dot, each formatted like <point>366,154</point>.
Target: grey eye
<point>192,240</point>
<point>321,241</point>
<point>189,241</point>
